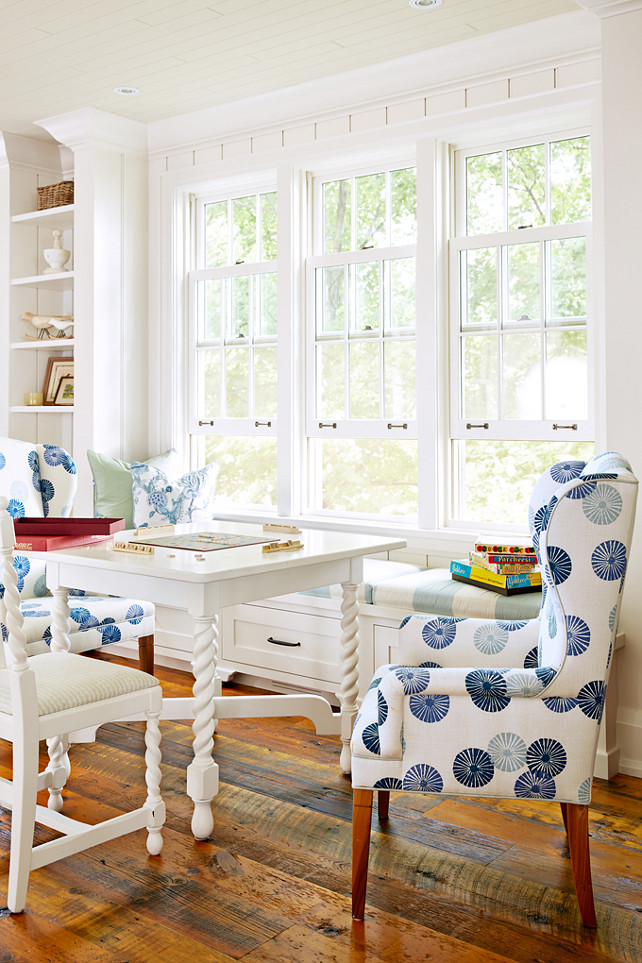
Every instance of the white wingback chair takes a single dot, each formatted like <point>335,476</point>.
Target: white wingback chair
<point>509,709</point>
<point>39,481</point>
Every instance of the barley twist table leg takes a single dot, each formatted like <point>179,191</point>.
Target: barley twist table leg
<point>202,773</point>
<point>59,765</point>
<point>153,778</point>
<point>60,641</point>
<point>349,669</point>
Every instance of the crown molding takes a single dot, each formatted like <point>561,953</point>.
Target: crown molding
<point>90,127</point>
<point>516,48</point>
<point>29,154</point>
<point>610,8</point>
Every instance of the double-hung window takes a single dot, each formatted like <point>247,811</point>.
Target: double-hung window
<point>233,344</point>
<point>361,423</point>
<point>520,373</point>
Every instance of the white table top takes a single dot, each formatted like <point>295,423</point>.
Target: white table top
<point>224,563</point>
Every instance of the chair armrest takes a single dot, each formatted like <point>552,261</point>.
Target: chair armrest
<point>490,689</point>
<point>447,642</point>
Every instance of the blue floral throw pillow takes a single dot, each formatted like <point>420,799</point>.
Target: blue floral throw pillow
<point>160,501</point>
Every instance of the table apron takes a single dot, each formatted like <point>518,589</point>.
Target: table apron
<point>206,597</point>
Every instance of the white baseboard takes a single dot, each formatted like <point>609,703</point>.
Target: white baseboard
<point>629,737</point>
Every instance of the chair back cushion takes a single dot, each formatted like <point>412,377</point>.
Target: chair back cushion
<point>20,477</point>
<point>584,535</point>
<point>39,480</point>
<point>58,480</point>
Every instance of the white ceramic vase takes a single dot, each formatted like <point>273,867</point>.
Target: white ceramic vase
<point>56,256</point>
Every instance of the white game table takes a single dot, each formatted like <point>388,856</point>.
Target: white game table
<point>202,587</point>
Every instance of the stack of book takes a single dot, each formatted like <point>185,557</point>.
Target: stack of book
<point>507,569</point>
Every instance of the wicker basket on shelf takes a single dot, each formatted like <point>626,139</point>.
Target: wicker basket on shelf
<point>55,195</point>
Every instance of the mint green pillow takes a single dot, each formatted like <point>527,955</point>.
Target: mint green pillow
<point>113,482</point>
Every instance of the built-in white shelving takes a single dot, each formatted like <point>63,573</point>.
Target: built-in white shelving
<point>35,290</point>
<point>61,218</point>
<point>104,287</point>
<point>53,282</point>
<point>44,344</point>
<point>42,409</point>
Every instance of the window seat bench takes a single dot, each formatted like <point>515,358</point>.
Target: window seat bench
<point>294,639</point>
<point>411,588</point>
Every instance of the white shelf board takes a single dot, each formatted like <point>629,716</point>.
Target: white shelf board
<point>46,344</point>
<point>56,282</point>
<point>42,409</point>
<point>53,217</point>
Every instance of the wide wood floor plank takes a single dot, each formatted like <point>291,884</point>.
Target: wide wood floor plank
<point>467,880</point>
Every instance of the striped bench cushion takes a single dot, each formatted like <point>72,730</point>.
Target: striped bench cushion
<point>375,571</point>
<point>411,588</point>
<point>434,591</point>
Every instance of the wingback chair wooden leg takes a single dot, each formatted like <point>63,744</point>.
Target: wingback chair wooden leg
<point>361,818</point>
<point>383,803</point>
<point>576,822</point>
<point>146,654</point>
<point>564,816</point>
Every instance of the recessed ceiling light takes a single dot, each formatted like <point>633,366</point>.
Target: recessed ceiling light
<point>127,91</point>
<point>425,4</point>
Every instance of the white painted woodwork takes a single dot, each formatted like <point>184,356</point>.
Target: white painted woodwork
<point>106,230</point>
<point>27,165</point>
<point>622,213</point>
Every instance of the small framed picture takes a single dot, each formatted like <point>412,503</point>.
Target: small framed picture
<point>65,392</point>
<point>57,369</point>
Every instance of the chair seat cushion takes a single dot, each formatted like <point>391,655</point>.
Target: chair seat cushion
<point>65,681</point>
<point>94,621</point>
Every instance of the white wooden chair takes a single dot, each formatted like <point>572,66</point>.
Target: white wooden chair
<point>44,697</point>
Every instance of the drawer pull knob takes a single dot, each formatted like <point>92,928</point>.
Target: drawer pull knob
<point>291,645</point>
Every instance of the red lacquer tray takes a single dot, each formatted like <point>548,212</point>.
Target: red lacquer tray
<point>67,526</point>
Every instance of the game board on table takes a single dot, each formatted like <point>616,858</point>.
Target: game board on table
<point>203,541</point>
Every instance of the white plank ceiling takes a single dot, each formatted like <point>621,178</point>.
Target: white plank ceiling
<point>60,55</point>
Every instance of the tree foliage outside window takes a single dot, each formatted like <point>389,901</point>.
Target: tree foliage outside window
<point>363,275</point>
<point>521,350</point>
<point>235,303</point>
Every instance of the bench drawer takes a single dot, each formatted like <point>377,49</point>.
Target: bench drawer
<point>257,637</point>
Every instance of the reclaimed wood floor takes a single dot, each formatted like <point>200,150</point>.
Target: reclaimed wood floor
<point>451,879</point>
